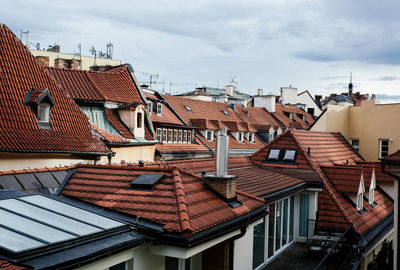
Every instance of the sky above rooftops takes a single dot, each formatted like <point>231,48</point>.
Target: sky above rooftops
<point>310,44</point>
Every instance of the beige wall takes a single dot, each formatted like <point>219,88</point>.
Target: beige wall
<point>131,154</point>
<point>87,61</point>
<point>368,123</point>
<point>15,161</point>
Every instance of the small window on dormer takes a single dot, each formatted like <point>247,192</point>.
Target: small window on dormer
<point>360,202</point>
<point>159,108</point>
<point>251,137</point>
<point>150,107</point>
<point>41,101</point>
<point>240,136</point>
<point>139,120</point>
<point>209,135</point>
<point>43,115</point>
<point>274,154</point>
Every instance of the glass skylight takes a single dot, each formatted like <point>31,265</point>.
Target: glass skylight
<point>225,112</point>
<point>188,108</point>
<point>289,155</point>
<point>274,154</point>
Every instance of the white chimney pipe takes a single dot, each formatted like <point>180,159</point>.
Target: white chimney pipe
<point>221,153</point>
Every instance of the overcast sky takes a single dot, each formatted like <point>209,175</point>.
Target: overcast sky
<point>310,44</point>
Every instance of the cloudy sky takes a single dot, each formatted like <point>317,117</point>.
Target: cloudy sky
<point>310,44</point>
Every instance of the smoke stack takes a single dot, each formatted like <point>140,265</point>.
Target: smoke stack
<point>259,92</point>
<point>229,90</point>
<point>221,182</point>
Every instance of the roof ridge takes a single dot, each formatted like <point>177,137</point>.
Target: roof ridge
<point>182,205</point>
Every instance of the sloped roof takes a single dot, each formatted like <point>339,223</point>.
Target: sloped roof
<point>180,201</point>
<point>19,129</point>
<point>110,137</point>
<point>297,122</point>
<point>116,122</point>
<point>181,147</point>
<point>7,265</point>
<point>167,116</point>
<point>114,85</point>
<point>395,157</point>
<point>260,118</point>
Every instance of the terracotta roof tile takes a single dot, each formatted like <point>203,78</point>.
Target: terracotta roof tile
<point>110,137</point>
<point>297,121</point>
<point>7,265</point>
<point>116,122</point>
<point>395,157</point>
<point>260,118</point>
<point>180,201</point>
<point>19,130</point>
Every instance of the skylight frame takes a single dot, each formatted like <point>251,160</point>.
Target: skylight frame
<point>188,108</point>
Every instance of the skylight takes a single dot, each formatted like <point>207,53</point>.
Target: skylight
<point>146,181</point>
<point>274,154</point>
<point>188,108</point>
<point>225,112</point>
<point>289,155</point>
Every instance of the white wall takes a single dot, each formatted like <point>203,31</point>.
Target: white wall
<point>307,100</point>
<point>289,95</point>
<point>267,102</point>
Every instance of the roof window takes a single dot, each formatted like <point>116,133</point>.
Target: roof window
<point>225,112</point>
<point>188,108</point>
<point>274,154</point>
<point>289,155</point>
<point>282,155</point>
<point>41,101</point>
<point>146,181</point>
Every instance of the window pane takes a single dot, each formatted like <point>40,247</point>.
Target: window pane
<point>120,266</point>
<point>271,230</point>
<point>258,244</point>
<point>304,203</point>
<point>189,136</point>
<point>180,136</point>
<point>43,113</point>
<point>289,155</point>
<point>291,218</point>
<point>285,222</point>
<point>274,154</point>
<point>278,235</point>
<point>171,263</point>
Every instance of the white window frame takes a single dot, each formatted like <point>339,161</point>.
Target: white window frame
<point>180,138</point>
<point>380,147</point>
<point>371,194</point>
<point>250,137</point>
<point>175,136</point>
<point>150,107</point>
<point>46,108</point>
<point>360,201</point>
<point>240,136</point>
<point>210,132</point>
<point>159,134</point>
<point>165,135</point>
<point>170,135</point>
<point>159,108</point>
<point>189,136</point>
<point>185,136</point>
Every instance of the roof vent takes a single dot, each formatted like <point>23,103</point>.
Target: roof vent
<point>146,181</point>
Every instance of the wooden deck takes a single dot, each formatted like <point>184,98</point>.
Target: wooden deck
<point>296,257</point>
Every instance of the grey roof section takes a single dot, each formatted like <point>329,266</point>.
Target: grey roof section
<point>45,182</point>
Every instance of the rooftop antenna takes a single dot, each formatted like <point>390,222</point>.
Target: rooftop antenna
<point>351,85</point>
<point>109,50</point>
<point>27,37</point>
<point>151,77</point>
<point>170,85</point>
<point>93,52</point>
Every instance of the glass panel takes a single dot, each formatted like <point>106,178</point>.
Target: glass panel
<point>17,242</point>
<point>171,263</point>
<point>285,222</point>
<point>274,154</point>
<point>48,217</point>
<point>120,266</point>
<point>271,222</point>
<point>303,219</point>
<point>278,234</point>
<point>71,211</point>
<point>43,112</point>
<point>180,136</point>
<point>289,155</point>
<point>33,228</point>
<point>258,244</point>
<point>291,218</point>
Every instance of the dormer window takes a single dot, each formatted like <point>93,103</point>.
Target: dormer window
<point>360,194</point>
<point>159,108</point>
<point>139,120</point>
<point>209,135</point>
<point>250,137</point>
<point>372,187</point>
<point>150,107</point>
<point>240,136</point>
<point>41,101</point>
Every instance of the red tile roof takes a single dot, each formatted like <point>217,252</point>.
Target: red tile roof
<point>297,121</point>
<point>260,118</point>
<point>179,147</point>
<point>395,157</point>
<point>180,201</point>
<point>19,129</point>
<point>116,122</point>
<point>6,265</point>
<point>110,137</point>
<point>114,85</point>
<point>203,124</point>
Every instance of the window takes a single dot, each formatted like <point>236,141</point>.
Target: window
<point>175,136</point>
<point>165,132</point>
<point>258,244</point>
<point>159,134</point>
<point>271,136</point>
<point>150,107</point>
<point>383,148</point>
<point>185,136</point>
<point>180,136</point>
<point>240,136</point>
<point>289,155</point>
<point>189,136</point>
<point>43,113</point>
<point>188,108</point>
<point>209,135</point>
<point>122,266</point>
<point>225,112</point>
<point>359,201</point>
<point>170,132</point>
<point>159,108</point>
<point>139,119</point>
<point>274,154</point>
<point>355,143</point>
<point>251,137</point>
<point>304,211</point>
<point>310,111</point>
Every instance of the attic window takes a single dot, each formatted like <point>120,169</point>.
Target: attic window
<point>188,108</point>
<point>274,154</point>
<point>289,155</point>
<point>159,108</point>
<point>146,181</point>
<point>43,113</point>
<point>225,112</point>
<point>41,101</point>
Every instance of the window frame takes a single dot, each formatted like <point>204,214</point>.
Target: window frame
<point>180,137</point>
<point>189,136</point>
<point>165,135</point>
<point>240,136</point>
<point>270,151</point>
<point>356,147</point>
<point>185,136</point>
<point>380,147</point>
<point>175,136</point>
<point>170,135</point>
<point>47,113</point>
<point>159,108</point>
<point>150,107</point>
<point>159,134</point>
<point>209,132</point>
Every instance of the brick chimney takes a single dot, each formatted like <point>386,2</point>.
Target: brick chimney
<point>221,182</point>
<point>43,60</point>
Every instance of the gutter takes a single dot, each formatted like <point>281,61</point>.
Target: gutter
<point>56,151</point>
<point>290,190</point>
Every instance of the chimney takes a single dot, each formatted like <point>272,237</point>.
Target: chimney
<point>267,102</point>
<point>229,90</point>
<point>259,92</point>
<point>61,63</point>
<point>43,60</point>
<point>221,182</point>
